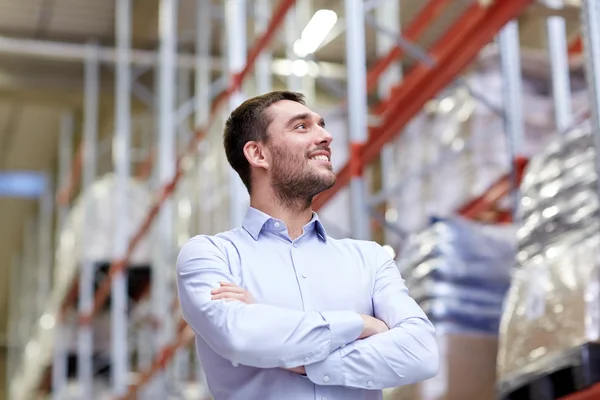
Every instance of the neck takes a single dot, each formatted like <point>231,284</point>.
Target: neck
<point>294,214</point>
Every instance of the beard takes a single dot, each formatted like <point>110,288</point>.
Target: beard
<point>295,182</point>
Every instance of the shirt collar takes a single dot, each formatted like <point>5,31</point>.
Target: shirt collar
<point>255,221</point>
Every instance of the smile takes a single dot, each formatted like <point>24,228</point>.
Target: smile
<point>320,158</point>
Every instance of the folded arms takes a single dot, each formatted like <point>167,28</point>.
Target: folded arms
<point>324,343</point>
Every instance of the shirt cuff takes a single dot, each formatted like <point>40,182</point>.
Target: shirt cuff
<point>327,372</point>
<point>345,327</point>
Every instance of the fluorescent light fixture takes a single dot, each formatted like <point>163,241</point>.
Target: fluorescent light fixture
<point>47,321</point>
<point>315,32</point>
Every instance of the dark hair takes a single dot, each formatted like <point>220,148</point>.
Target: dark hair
<point>249,122</point>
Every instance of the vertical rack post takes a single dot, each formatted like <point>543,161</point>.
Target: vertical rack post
<point>590,21</point>
<point>121,160</point>
<point>235,20</point>
<point>357,114</point>
<point>294,82</point>
<point>163,228</point>
<point>558,52</point>
<point>513,100</point>
<point>86,276</point>
<point>307,82</point>
<point>59,352</point>
<point>14,350</point>
<point>263,74</point>
<point>387,16</point>
<point>202,94</point>
<point>44,274</point>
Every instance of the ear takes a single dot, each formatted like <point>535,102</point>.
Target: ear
<point>255,153</point>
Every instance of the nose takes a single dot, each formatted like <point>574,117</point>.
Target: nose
<point>324,137</point>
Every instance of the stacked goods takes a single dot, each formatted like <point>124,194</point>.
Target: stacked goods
<point>459,272</point>
<point>553,306</point>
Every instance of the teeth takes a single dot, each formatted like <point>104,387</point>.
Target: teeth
<point>322,158</point>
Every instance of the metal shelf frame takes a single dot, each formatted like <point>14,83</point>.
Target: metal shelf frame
<point>438,67</point>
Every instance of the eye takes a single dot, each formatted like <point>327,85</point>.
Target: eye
<point>301,126</point>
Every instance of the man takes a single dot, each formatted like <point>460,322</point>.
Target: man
<point>281,311</point>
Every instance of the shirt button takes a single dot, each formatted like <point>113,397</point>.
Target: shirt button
<point>276,224</point>
<point>326,378</point>
<point>306,359</point>
<point>369,383</point>
<point>323,398</point>
<point>304,275</point>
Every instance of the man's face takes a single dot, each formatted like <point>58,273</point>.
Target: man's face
<point>299,150</point>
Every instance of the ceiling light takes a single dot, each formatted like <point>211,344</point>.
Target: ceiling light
<point>47,321</point>
<point>315,32</point>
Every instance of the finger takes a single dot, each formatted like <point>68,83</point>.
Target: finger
<point>228,284</point>
<point>237,296</point>
<point>224,289</point>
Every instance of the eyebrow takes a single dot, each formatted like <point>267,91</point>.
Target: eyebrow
<point>303,116</point>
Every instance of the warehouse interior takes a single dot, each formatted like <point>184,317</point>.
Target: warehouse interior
<point>474,123</point>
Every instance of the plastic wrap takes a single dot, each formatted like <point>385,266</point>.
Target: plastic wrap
<point>459,272</point>
<point>554,301</point>
<point>98,232</point>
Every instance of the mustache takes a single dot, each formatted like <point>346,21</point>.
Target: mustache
<point>321,148</point>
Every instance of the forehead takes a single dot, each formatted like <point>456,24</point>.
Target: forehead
<point>285,109</point>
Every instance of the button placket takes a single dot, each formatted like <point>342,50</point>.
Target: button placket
<point>299,268</point>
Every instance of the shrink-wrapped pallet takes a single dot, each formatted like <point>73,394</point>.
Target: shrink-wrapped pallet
<point>553,305</point>
<point>459,272</point>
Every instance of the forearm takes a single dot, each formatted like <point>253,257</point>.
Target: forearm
<point>405,354</point>
<point>266,336</point>
<point>253,334</point>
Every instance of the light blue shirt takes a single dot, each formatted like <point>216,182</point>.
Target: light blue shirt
<point>309,293</point>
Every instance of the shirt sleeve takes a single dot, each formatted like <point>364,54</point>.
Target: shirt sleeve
<point>405,354</point>
<point>256,335</point>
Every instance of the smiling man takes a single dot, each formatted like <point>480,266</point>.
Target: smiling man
<point>280,310</point>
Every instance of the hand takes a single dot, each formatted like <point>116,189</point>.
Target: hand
<point>299,370</point>
<point>373,326</point>
<point>229,291</point>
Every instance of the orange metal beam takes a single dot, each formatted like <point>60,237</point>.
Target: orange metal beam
<point>454,52</point>
<point>494,193</point>
<point>418,25</point>
<point>64,195</point>
<point>592,393</point>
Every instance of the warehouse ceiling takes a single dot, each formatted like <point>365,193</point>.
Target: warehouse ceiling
<point>35,92</point>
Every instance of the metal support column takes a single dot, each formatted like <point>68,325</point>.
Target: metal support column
<point>292,33</point>
<point>235,20</point>
<point>558,52</point>
<point>357,114</point>
<point>512,99</point>
<point>27,275</point>
<point>590,21</point>
<point>59,351</point>
<point>387,15</point>
<point>304,11</point>
<point>202,95</point>
<point>14,350</point>
<point>163,228</point>
<point>44,275</point>
<point>264,82</point>
<point>121,161</point>
<point>86,277</point>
